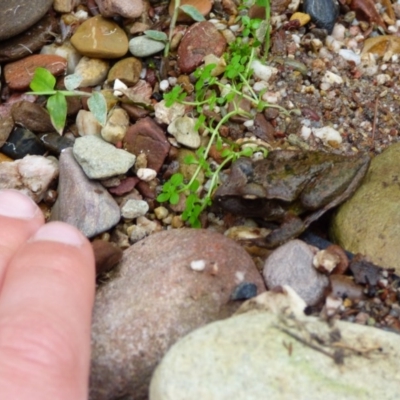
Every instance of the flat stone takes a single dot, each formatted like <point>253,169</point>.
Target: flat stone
<point>292,265</point>
<point>157,297</point>
<point>121,8</point>
<point>201,39</point>
<point>18,74</point>
<point>32,116</point>
<point>99,159</point>
<point>92,70</point>
<point>146,137</point>
<point>82,202</point>
<point>29,41</point>
<point>142,46</point>
<point>369,222</point>
<point>126,70</point>
<point>256,356</point>
<point>98,37</point>
<point>19,15</point>
<point>183,129</point>
<point>22,142</point>
<point>32,175</point>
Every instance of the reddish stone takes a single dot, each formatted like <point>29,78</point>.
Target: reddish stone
<point>18,74</point>
<point>106,255</point>
<point>201,39</point>
<point>147,137</point>
<point>125,186</point>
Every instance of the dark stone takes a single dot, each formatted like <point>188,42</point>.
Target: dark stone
<point>322,12</point>
<point>22,142</point>
<point>32,116</point>
<point>148,138</point>
<point>263,129</point>
<point>18,15</point>
<point>244,291</point>
<point>30,41</point>
<point>56,143</point>
<point>107,255</point>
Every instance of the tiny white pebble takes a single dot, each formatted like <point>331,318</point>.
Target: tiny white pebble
<point>198,265</point>
<point>164,85</point>
<point>146,174</point>
<point>118,85</point>
<point>249,123</point>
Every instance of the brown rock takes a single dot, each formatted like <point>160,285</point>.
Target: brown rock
<point>32,116</point>
<point>121,8</point>
<point>135,112</point>
<point>6,126</point>
<point>107,255</point>
<point>201,39</point>
<point>30,41</point>
<point>127,70</point>
<point>156,298</point>
<point>148,138</point>
<point>202,6</point>
<point>125,186</point>
<point>18,74</point>
<point>263,129</point>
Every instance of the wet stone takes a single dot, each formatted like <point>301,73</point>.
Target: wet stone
<point>201,39</point>
<point>98,37</point>
<point>322,12</point>
<point>18,15</point>
<point>30,41</point>
<point>31,116</point>
<point>22,142</point>
<point>18,74</point>
<point>82,202</point>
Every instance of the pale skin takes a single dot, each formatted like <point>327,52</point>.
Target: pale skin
<point>47,283</point>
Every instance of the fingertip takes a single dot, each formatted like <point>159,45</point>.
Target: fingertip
<point>15,204</point>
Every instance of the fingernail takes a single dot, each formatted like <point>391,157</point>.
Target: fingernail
<point>15,204</point>
<point>59,232</point>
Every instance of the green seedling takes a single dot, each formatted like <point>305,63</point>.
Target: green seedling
<point>43,84</point>
<point>227,92</point>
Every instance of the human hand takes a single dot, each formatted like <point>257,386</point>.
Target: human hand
<point>47,282</point>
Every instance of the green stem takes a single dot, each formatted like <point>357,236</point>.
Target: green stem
<point>268,29</point>
<point>172,27</point>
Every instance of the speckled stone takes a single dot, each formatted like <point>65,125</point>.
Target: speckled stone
<point>98,37</point>
<point>18,15</point>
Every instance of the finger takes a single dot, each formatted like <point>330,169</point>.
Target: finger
<point>45,315</point>
<point>20,218</point>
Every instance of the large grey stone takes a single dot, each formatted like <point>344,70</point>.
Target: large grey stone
<point>18,15</point>
<point>101,160</point>
<point>81,202</point>
<point>161,293</point>
<point>369,223</point>
<point>280,356</point>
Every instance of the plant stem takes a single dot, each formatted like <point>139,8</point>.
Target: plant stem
<point>172,27</point>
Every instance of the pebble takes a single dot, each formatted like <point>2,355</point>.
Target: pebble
<point>327,134</point>
<point>132,209</point>
<point>155,298</point>
<point>65,6</point>
<point>56,143</point>
<point>29,41</point>
<point>143,46</point>
<point>183,129</point>
<point>201,39</point>
<point>107,255</point>
<point>31,175</point>
<point>146,137</point>
<point>121,8</point>
<point>65,50</point>
<point>6,127</point>
<point>87,123</point>
<point>146,174</point>
<point>18,15</point>
<point>165,115</point>
<point>256,355</point>
<point>116,126</point>
<point>92,70</point>
<point>262,71</point>
<point>292,265</point>
<point>18,74</point>
<point>82,202</point>
<point>303,18</point>
<point>99,159</point>
<point>202,6</point>
<point>125,186</point>
<point>31,116</point>
<point>98,37</point>
<point>22,142</point>
<point>127,71</point>
<point>322,12</point>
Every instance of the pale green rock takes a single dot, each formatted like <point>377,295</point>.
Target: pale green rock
<point>142,46</point>
<point>369,222</point>
<point>252,357</point>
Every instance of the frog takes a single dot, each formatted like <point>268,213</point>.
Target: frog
<point>292,188</point>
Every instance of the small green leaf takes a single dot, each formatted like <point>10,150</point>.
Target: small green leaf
<point>156,35</point>
<point>43,81</point>
<point>174,199</point>
<point>98,106</point>
<point>190,159</point>
<point>176,179</point>
<point>163,197</point>
<point>193,12</point>
<point>72,81</point>
<point>194,186</point>
<point>57,107</point>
